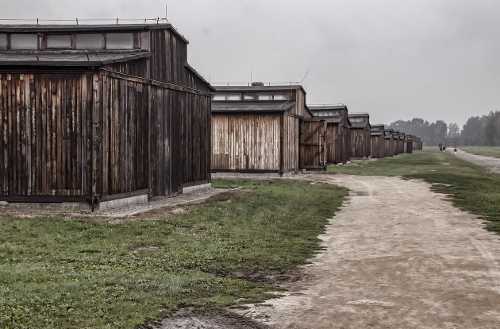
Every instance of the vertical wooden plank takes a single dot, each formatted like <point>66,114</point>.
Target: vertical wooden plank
<point>123,137</point>
<point>96,134</point>
<point>78,136</point>
<point>84,164</point>
<point>43,139</point>
<point>52,135</point>
<point>162,140</point>
<point>74,136</point>
<point>20,109</point>
<point>18,136</point>
<point>2,134</point>
<point>27,102</point>
<point>10,134</point>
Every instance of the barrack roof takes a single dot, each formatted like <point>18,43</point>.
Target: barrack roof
<point>251,107</point>
<point>65,58</point>
<point>359,115</point>
<point>11,28</point>
<point>327,107</point>
<point>359,125</point>
<point>258,88</point>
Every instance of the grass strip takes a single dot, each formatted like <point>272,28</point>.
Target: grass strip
<point>64,273</point>
<point>482,150</point>
<point>471,187</point>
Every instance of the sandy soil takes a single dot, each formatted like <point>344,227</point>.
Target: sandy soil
<point>489,163</point>
<point>398,256</point>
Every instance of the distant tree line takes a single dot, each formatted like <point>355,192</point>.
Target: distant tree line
<point>477,131</point>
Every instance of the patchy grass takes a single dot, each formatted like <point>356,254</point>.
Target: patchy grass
<point>471,187</point>
<point>483,150</point>
<point>62,273</point>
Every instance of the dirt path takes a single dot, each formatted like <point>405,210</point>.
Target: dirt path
<point>489,163</point>
<point>398,256</point>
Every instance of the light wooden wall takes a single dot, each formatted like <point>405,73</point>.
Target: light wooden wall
<point>246,142</point>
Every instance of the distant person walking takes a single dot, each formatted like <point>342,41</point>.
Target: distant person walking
<point>455,150</point>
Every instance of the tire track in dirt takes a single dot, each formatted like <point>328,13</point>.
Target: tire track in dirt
<point>398,256</point>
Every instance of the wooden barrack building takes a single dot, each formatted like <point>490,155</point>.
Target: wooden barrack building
<point>390,145</point>
<point>360,136</point>
<point>99,113</point>
<point>268,129</point>
<point>378,141</point>
<point>338,141</point>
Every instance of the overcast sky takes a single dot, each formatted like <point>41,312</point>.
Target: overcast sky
<point>395,59</point>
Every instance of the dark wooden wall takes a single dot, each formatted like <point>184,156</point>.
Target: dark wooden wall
<point>58,130</point>
<point>45,134</point>
<point>360,143</point>
<point>159,135</point>
<point>378,146</point>
<point>389,148</point>
<point>291,135</point>
<point>123,122</point>
<point>338,143</point>
<point>313,148</point>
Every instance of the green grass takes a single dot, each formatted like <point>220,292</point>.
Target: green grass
<point>482,150</point>
<point>470,187</point>
<point>62,273</point>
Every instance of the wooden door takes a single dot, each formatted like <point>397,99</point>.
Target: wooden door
<point>313,149</point>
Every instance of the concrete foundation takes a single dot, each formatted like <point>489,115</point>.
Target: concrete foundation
<point>73,206</point>
<point>103,206</point>
<point>252,175</point>
<point>190,189</point>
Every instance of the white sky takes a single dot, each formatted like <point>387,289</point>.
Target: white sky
<point>396,59</point>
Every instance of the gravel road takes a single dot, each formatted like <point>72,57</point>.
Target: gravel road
<point>397,256</point>
<point>489,163</point>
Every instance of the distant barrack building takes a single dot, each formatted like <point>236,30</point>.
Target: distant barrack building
<point>266,129</point>
<point>360,136</point>
<point>98,113</point>
<point>378,141</point>
<point>338,141</point>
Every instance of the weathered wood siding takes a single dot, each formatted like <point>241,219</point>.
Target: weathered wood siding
<point>59,129</point>
<point>180,125</point>
<point>338,143</point>
<point>313,149</point>
<point>346,156</point>
<point>378,146</point>
<point>395,145</point>
<point>246,142</point>
<point>159,136</point>
<point>389,148</point>
<point>333,143</point>
<point>300,107</point>
<point>123,154</point>
<point>360,143</point>
<point>291,135</point>
<point>45,134</point>
<point>409,147</point>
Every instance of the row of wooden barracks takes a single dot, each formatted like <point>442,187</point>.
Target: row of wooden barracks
<point>105,115</point>
<point>271,129</point>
